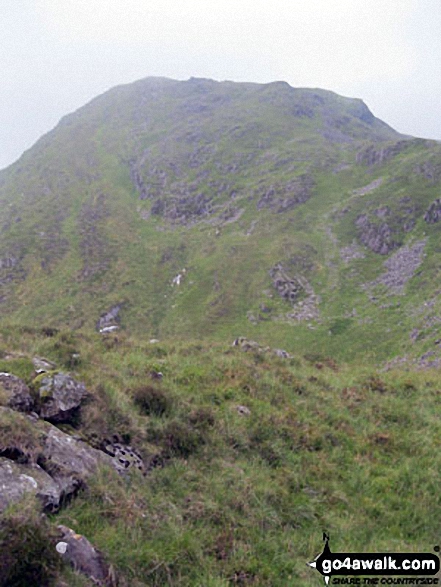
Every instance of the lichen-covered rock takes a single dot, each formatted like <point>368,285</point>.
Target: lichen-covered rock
<point>60,397</point>
<point>69,460</point>
<point>84,558</point>
<point>17,393</point>
<point>16,480</point>
<point>64,462</point>
<point>124,456</point>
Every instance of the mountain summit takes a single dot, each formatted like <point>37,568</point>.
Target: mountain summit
<point>206,209</point>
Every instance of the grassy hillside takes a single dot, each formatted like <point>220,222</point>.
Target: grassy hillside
<point>252,457</point>
<point>283,206</point>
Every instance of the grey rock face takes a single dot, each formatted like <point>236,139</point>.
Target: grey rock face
<point>17,393</point>
<point>84,558</point>
<point>377,237</point>
<point>64,462</point>
<point>60,397</point>
<point>70,461</point>
<point>376,156</point>
<point>282,198</point>
<point>16,480</point>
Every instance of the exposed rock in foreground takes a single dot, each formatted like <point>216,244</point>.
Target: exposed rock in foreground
<point>84,558</point>
<point>17,393</point>
<point>16,480</point>
<point>60,397</point>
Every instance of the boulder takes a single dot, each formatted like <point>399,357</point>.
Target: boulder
<point>64,461</point>
<point>84,558</point>
<point>70,461</point>
<point>17,393</point>
<point>60,397</point>
<point>17,479</point>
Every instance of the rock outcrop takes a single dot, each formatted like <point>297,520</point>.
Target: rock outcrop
<point>298,292</point>
<point>60,397</point>
<point>285,197</point>
<point>16,393</point>
<point>16,480</point>
<point>373,155</point>
<point>376,236</point>
<point>39,458</point>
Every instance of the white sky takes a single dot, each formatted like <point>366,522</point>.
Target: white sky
<point>55,55</point>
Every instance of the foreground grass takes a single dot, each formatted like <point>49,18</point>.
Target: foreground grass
<point>243,499</point>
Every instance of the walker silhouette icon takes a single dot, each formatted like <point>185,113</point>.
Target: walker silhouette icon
<point>317,562</point>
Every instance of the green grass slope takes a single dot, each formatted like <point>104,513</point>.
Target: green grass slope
<point>251,189</point>
<point>257,456</point>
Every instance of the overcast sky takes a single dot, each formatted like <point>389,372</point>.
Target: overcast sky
<point>56,55</point>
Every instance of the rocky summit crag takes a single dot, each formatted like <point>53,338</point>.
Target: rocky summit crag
<point>217,210</point>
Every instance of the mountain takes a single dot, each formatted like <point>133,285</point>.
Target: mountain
<point>198,209</point>
<point>178,217</point>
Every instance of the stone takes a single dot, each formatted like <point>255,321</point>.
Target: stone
<point>124,456</point>
<point>16,480</point>
<point>109,329</point>
<point>248,345</point>
<point>84,558</point>
<point>156,374</point>
<point>43,365</point>
<point>400,268</point>
<point>17,393</point>
<point>109,319</point>
<point>70,461</point>
<point>60,397</point>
